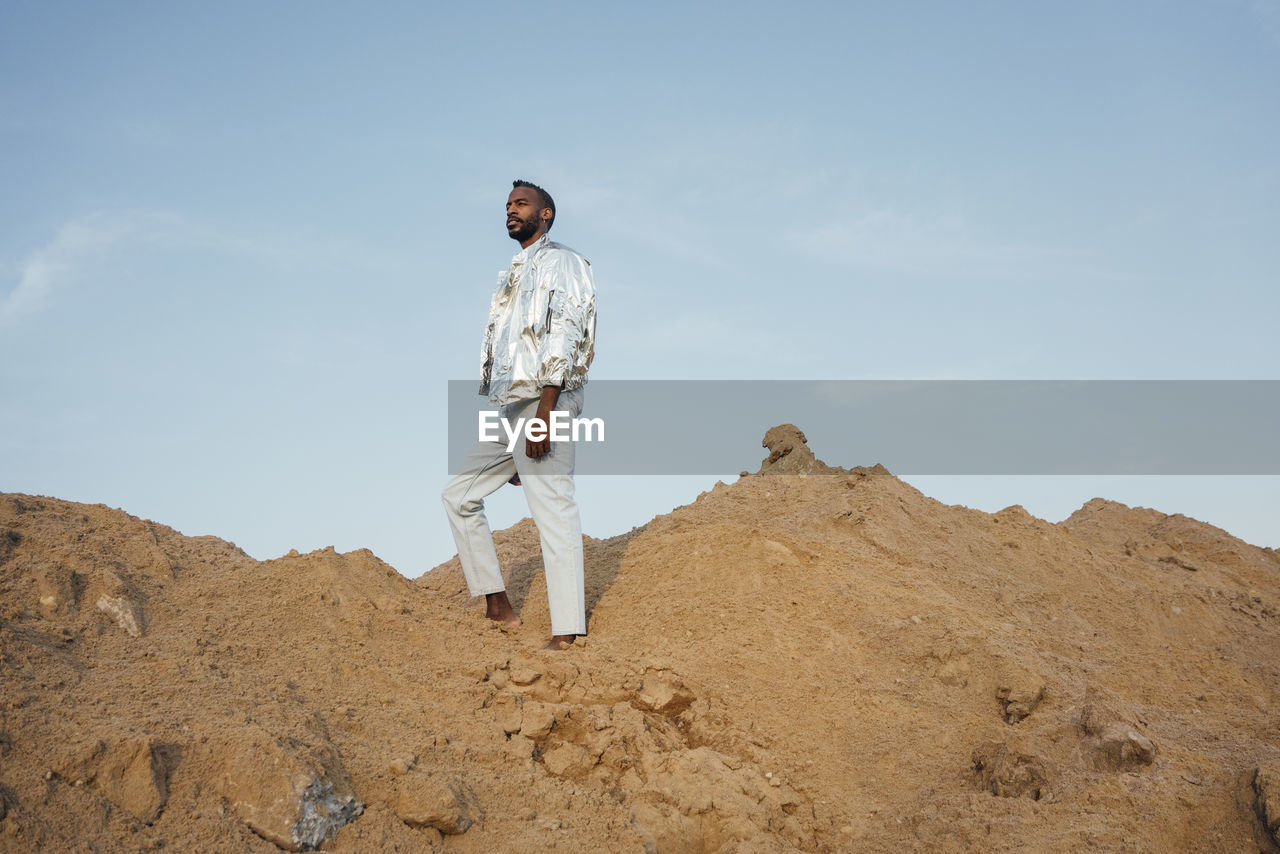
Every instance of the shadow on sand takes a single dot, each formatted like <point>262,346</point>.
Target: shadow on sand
<point>601,559</point>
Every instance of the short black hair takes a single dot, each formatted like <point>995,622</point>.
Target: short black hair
<point>547,201</point>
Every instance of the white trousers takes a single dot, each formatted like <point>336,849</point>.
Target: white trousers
<point>548,487</point>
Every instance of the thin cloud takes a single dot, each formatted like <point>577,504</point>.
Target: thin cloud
<point>83,242</point>
<point>76,244</point>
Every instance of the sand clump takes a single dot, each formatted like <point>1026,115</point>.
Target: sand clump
<point>809,659</point>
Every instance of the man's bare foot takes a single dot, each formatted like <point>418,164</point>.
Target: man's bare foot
<point>497,607</point>
<point>559,642</point>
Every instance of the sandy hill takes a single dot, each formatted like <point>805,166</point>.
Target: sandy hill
<point>822,661</point>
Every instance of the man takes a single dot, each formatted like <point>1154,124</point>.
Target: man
<point>538,344</point>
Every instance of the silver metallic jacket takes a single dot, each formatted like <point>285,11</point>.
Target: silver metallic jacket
<point>542,324</point>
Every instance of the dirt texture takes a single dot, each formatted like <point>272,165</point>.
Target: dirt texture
<point>808,659</point>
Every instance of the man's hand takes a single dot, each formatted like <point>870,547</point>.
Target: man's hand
<point>536,450</point>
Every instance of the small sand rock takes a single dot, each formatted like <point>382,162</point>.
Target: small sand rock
<point>1113,743</point>
<point>537,720</point>
<point>294,796</point>
<point>509,713</point>
<point>524,676</point>
<point>1010,774</point>
<point>568,760</point>
<point>401,765</point>
<point>427,802</point>
<point>133,774</point>
<point>664,692</point>
<point>1019,694</point>
<point>125,612</point>
<point>788,452</point>
<point>1121,747</point>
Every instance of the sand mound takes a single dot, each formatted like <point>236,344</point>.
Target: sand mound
<point>825,661</point>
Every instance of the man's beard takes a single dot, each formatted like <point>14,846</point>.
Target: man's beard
<point>523,230</point>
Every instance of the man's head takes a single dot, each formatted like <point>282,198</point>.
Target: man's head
<point>530,212</point>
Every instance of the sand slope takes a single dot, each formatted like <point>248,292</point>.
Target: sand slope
<point>823,661</point>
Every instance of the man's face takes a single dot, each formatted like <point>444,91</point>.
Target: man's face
<point>525,214</point>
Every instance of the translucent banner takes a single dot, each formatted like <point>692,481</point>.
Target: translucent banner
<point>912,427</point>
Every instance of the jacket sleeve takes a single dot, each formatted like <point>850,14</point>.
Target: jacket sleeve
<point>486,348</point>
<point>567,347</point>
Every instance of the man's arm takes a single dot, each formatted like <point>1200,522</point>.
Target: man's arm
<point>547,403</point>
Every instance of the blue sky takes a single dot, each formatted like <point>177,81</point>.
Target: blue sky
<point>244,246</point>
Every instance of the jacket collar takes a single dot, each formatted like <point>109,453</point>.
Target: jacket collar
<point>527,253</point>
